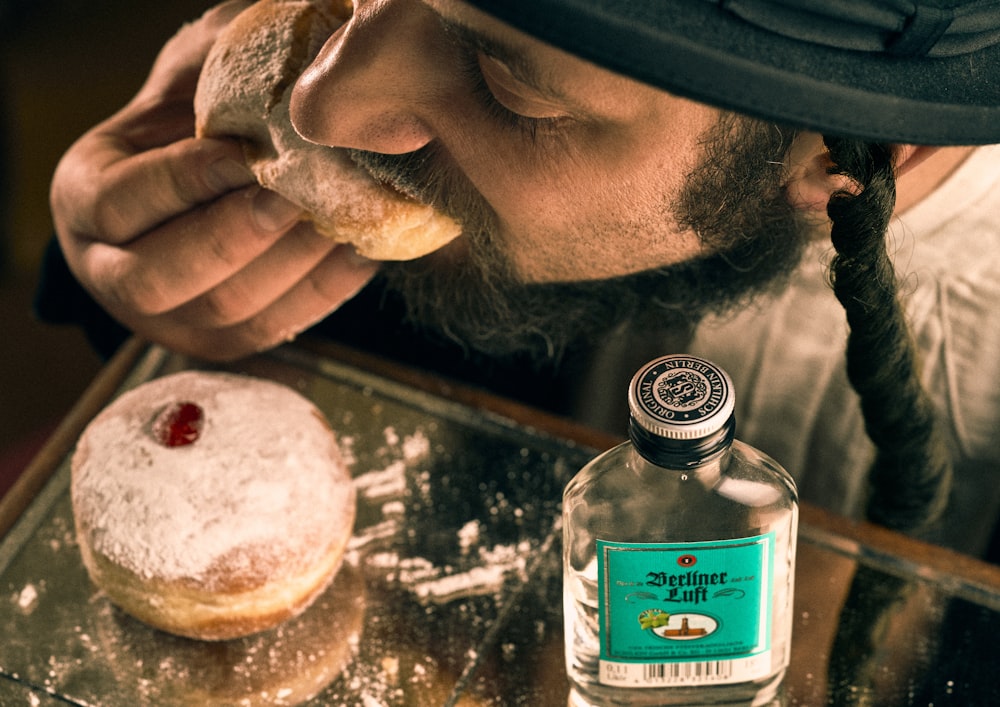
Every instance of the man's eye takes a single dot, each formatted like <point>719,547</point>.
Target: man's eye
<point>527,116</point>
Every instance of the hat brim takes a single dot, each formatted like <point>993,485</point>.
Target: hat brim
<point>700,51</point>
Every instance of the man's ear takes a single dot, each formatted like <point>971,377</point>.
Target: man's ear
<point>809,184</point>
<point>909,156</point>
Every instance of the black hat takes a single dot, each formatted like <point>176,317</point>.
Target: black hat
<point>911,71</point>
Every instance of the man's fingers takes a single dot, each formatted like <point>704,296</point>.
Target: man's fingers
<point>154,186</point>
<point>331,283</point>
<point>263,281</point>
<point>190,255</point>
<point>118,196</point>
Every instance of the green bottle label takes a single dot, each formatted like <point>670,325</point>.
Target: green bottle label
<point>685,613</point>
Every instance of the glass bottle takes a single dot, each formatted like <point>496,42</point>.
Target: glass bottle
<point>679,553</point>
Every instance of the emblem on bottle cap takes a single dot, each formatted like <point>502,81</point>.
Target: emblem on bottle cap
<point>681,397</point>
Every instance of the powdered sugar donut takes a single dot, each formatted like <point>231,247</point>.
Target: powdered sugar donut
<point>211,505</point>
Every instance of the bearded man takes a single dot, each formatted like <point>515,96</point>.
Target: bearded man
<point>631,177</point>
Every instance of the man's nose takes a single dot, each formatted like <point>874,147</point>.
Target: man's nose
<point>370,86</point>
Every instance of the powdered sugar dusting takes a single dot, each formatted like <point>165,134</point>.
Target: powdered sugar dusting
<point>388,482</point>
<point>263,466</point>
<point>416,447</point>
<point>27,599</point>
<point>431,583</point>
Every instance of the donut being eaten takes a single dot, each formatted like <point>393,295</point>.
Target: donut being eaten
<point>244,91</point>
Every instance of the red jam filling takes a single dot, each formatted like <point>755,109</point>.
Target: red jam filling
<point>178,424</point>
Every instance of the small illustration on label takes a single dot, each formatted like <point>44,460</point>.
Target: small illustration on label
<point>653,618</point>
<point>686,627</point>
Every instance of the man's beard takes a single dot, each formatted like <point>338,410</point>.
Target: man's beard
<point>733,200</point>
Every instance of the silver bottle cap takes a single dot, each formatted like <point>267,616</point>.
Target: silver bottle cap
<point>681,397</point>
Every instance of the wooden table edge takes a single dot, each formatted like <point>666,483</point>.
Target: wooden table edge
<point>63,439</point>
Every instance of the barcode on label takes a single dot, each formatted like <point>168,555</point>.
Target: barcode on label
<point>703,672</point>
<point>706,671</point>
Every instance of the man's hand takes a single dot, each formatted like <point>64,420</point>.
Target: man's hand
<point>172,235</point>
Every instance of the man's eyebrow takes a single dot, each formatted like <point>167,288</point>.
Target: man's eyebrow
<point>520,66</point>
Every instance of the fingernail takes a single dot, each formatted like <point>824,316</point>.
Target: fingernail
<point>273,212</point>
<point>225,174</point>
<point>356,260</point>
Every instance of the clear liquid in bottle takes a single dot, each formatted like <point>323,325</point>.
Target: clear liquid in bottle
<point>679,554</point>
